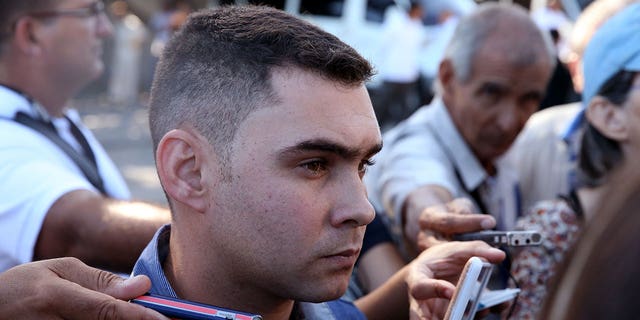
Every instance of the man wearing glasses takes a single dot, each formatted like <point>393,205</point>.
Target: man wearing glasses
<point>60,194</point>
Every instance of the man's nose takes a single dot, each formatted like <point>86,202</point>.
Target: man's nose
<point>352,206</point>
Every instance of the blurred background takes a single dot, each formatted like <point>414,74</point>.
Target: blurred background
<point>114,106</point>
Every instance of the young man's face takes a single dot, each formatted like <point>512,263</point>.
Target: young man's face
<point>290,218</point>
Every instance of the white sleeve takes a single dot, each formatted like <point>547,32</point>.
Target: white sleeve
<point>414,161</point>
<point>33,178</point>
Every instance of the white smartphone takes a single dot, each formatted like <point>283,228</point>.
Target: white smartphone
<point>471,284</point>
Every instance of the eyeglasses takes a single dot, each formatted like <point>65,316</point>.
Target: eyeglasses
<point>94,9</point>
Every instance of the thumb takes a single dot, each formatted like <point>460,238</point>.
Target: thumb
<point>101,281</point>
<point>432,288</point>
<point>125,289</point>
<point>90,293</point>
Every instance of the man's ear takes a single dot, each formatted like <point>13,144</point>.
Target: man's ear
<point>446,76</point>
<point>609,119</point>
<point>179,160</point>
<point>24,36</point>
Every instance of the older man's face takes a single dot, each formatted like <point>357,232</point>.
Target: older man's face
<point>491,107</point>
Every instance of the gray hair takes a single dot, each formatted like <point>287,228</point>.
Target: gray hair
<point>473,31</point>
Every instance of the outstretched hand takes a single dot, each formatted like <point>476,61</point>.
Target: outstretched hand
<point>66,288</point>
<point>439,222</point>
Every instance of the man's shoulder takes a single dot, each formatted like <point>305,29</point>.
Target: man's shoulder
<point>417,127</point>
<point>22,146</point>
<point>552,120</point>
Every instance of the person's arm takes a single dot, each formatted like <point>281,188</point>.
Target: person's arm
<point>65,288</point>
<point>430,212</point>
<point>102,232</point>
<point>430,276</point>
<point>379,264</point>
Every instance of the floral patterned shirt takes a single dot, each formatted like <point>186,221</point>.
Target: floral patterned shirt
<point>533,267</point>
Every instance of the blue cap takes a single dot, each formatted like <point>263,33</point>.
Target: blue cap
<point>614,47</point>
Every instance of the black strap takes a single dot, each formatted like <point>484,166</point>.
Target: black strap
<point>86,164</point>
<point>475,193</point>
<point>75,131</point>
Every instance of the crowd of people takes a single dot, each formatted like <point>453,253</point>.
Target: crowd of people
<point>282,200</point>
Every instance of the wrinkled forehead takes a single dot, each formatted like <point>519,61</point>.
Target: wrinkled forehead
<point>519,50</point>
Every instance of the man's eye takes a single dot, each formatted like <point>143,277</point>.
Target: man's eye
<point>316,167</point>
<point>491,90</point>
<point>362,168</point>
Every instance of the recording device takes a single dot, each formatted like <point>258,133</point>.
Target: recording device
<point>471,296</point>
<point>503,238</point>
<point>188,310</point>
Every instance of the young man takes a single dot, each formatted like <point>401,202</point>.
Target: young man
<point>263,130</point>
<point>263,134</point>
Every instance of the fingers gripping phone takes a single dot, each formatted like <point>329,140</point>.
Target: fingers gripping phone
<point>471,283</point>
<point>471,296</point>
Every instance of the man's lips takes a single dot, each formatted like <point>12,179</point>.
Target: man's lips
<point>345,258</point>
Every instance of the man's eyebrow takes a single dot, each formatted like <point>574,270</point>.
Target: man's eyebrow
<point>331,147</point>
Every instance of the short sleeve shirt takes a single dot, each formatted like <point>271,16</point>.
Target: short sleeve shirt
<point>34,174</point>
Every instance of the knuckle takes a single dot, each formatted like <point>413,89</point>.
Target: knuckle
<point>107,310</point>
<point>104,279</point>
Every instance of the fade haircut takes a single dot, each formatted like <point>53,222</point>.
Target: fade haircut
<point>218,68</point>
<point>12,10</point>
<point>473,31</point>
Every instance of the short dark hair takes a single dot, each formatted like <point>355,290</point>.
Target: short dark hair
<point>11,11</point>
<point>598,154</point>
<point>217,68</point>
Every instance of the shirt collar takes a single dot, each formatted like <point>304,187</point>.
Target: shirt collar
<point>150,264</point>
<point>457,149</point>
<point>14,102</point>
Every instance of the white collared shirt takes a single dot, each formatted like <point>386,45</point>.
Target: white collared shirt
<point>427,149</point>
<point>35,173</point>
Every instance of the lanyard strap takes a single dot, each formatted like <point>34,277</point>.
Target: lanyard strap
<point>475,193</point>
<point>86,163</point>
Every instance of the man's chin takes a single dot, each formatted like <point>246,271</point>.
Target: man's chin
<point>326,292</point>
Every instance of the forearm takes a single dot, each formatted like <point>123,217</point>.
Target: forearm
<point>118,239</point>
<point>102,232</point>
<point>414,205</point>
<point>389,301</point>
<point>379,264</point>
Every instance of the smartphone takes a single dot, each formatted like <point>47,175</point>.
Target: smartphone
<point>503,238</point>
<point>471,284</point>
<point>490,298</point>
<point>188,310</point>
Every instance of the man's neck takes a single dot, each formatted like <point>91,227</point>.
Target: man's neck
<point>211,285</point>
<point>51,95</point>
<point>489,167</point>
